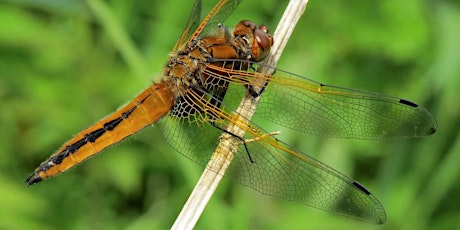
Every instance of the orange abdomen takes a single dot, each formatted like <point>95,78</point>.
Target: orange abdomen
<point>149,106</point>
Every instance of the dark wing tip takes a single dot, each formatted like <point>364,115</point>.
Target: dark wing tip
<point>381,221</point>
<point>378,215</point>
<point>360,187</point>
<point>33,178</point>
<point>408,103</point>
<point>431,130</point>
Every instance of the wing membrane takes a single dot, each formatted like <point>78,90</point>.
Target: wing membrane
<point>280,171</point>
<point>304,105</point>
<point>218,14</point>
<point>192,23</point>
<point>193,27</point>
<point>277,170</point>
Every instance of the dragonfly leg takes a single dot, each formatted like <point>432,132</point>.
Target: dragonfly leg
<point>256,91</point>
<point>237,137</point>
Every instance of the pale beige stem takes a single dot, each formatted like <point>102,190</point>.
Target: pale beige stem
<point>228,145</point>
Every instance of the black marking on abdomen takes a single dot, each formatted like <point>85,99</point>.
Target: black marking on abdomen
<point>360,187</point>
<point>88,138</point>
<point>409,103</point>
<point>77,145</point>
<point>91,137</point>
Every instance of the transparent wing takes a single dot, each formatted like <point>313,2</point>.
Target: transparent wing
<point>192,23</point>
<point>277,170</point>
<point>193,27</point>
<point>218,15</point>
<point>280,171</point>
<point>305,105</point>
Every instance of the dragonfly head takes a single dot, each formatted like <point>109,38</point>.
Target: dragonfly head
<point>258,37</point>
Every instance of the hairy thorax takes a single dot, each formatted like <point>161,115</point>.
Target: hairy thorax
<point>185,69</point>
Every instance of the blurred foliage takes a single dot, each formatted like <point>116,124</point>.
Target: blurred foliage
<point>65,64</point>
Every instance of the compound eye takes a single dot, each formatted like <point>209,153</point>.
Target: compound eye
<point>264,42</point>
<point>249,24</point>
<point>257,37</point>
<point>264,28</point>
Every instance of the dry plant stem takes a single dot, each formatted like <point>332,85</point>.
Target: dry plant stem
<point>228,145</point>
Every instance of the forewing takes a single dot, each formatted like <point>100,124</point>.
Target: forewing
<point>302,104</point>
<point>194,29</point>
<point>331,111</point>
<point>192,23</point>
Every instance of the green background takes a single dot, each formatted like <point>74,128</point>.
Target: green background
<point>64,64</point>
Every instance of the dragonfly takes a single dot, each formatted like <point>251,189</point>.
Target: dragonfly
<point>208,72</point>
